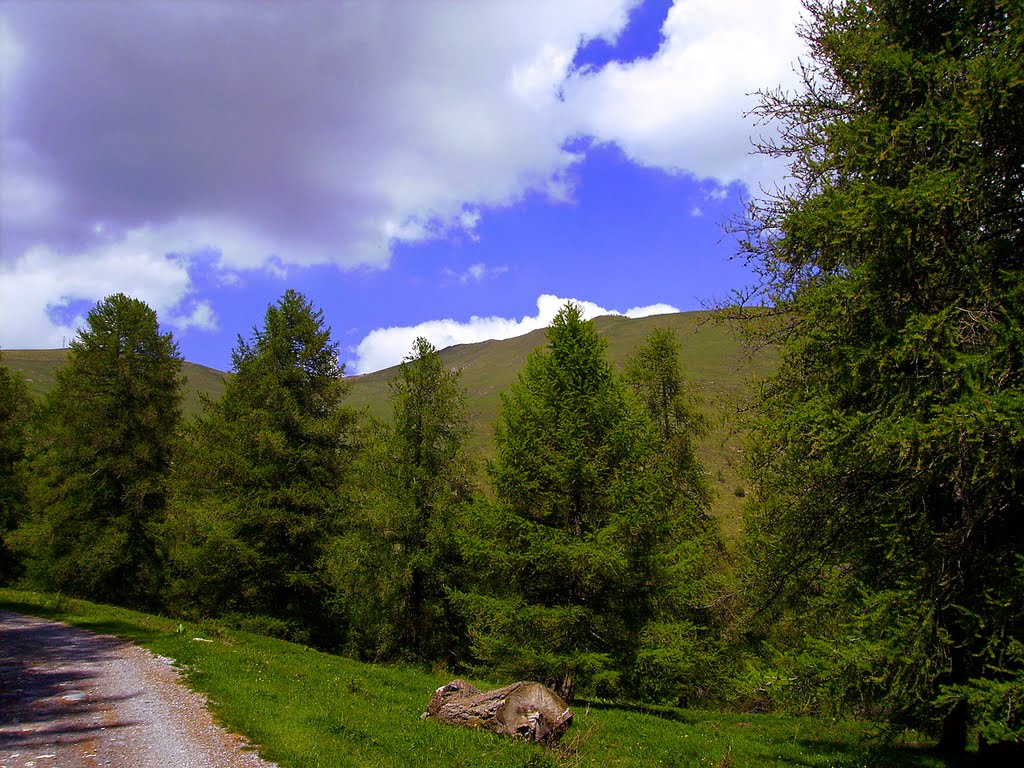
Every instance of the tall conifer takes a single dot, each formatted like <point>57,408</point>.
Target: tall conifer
<point>103,458</point>
<point>890,448</point>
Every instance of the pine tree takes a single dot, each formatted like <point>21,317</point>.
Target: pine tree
<point>103,458</point>
<point>890,445</point>
<point>677,658</point>
<point>573,546</point>
<point>416,480</point>
<point>261,480</point>
<point>655,374</point>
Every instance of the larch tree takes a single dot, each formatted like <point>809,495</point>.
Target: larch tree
<point>571,551</point>
<point>261,478</point>
<point>889,449</point>
<point>397,560</point>
<point>102,459</point>
<point>678,656</point>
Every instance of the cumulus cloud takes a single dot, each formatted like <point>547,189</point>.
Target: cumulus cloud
<point>682,109</point>
<point>282,134</point>
<point>384,347</point>
<point>39,293</point>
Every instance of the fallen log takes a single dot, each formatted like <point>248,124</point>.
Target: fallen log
<point>523,710</point>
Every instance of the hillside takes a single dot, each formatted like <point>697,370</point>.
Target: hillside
<point>38,365</point>
<point>713,359</point>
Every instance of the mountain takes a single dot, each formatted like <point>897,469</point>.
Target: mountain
<point>38,365</point>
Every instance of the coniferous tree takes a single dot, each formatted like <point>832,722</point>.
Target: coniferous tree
<point>261,479</point>
<point>15,410</point>
<point>396,561</point>
<point>103,457</point>
<point>890,447</point>
<point>573,545</point>
<point>678,654</point>
<point>655,373</point>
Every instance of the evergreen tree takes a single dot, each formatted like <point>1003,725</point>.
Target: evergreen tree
<point>103,458</point>
<point>573,546</point>
<point>416,479</point>
<point>890,447</point>
<point>655,374</point>
<point>15,410</point>
<point>678,657</point>
<point>261,479</point>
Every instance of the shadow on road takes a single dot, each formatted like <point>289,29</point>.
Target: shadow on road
<point>46,696</point>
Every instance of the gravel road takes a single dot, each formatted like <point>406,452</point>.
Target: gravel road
<point>75,699</point>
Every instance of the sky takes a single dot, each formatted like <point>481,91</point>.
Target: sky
<point>439,168</point>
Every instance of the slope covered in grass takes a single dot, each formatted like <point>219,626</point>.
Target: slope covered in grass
<point>713,358</point>
<point>307,709</point>
<point>38,366</point>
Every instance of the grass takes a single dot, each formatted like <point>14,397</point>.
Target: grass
<point>310,710</point>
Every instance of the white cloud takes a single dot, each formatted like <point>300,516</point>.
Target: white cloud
<point>682,109</point>
<point>39,289</point>
<point>330,166</point>
<point>475,273</point>
<point>201,317</point>
<point>384,347</point>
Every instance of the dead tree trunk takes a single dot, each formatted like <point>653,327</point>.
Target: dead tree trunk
<point>522,710</point>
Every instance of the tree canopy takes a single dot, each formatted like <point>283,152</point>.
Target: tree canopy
<point>415,480</point>
<point>576,542</point>
<point>261,474</point>
<point>15,409</point>
<point>890,446</point>
<point>103,456</point>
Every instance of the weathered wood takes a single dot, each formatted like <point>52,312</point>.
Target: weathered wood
<point>523,710</point>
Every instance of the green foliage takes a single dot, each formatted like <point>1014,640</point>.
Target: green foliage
<point>415,480</point>
<point>15,410</point>
<point>577,548</point>
<point>261,478</point>
<point>889,448</point>
<point>102,458</point>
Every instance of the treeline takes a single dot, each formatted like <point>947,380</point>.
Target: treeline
<point>583,556</point>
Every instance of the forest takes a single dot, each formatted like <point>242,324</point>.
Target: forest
<point>880,570</point>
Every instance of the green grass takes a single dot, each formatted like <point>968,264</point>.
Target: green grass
<point>308,709</point>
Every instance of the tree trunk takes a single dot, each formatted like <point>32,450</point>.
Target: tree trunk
<point>523,710</point>
<point>953,739</point>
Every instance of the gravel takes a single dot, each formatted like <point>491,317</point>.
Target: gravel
<point>70,698</point>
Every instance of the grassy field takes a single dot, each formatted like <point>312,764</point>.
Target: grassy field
<point>312,710</point>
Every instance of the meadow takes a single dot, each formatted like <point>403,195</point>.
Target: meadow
<point>307,709</point>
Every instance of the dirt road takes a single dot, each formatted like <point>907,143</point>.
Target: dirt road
<point>74,699</point>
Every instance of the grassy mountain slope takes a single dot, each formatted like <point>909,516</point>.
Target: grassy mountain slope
<point>38,366</point>
<point>713,359</point>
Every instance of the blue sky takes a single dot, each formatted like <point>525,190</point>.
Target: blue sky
<point>454,170</point>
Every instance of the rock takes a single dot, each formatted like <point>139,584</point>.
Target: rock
<point>523,710</point>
